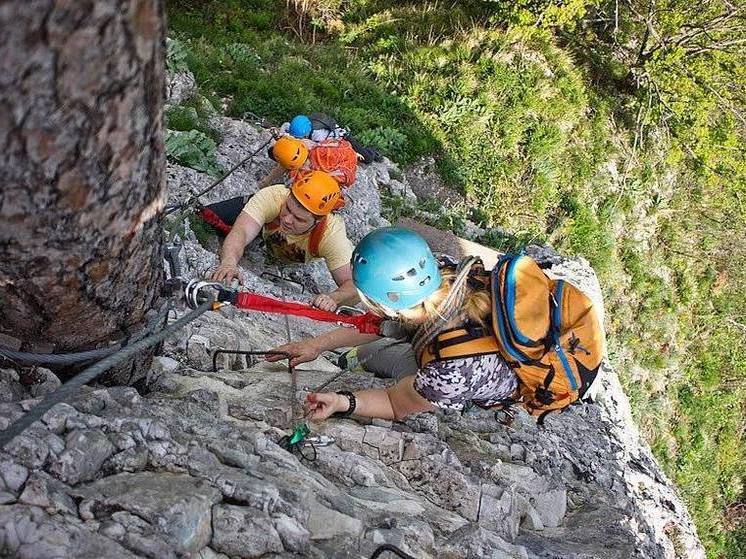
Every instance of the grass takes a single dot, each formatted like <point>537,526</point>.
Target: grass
<point>544,150</point>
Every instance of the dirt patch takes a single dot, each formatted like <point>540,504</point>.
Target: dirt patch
<point>426,183</point>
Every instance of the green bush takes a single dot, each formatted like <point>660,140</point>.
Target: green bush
<point>193,149</point>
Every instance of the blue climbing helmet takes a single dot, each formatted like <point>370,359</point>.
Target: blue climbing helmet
<point>300,126</point>
<point>394,267</point>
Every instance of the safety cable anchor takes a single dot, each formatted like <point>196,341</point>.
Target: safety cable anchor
<point>195,293</point>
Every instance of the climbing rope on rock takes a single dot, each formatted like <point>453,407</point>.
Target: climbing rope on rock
<point>78,357</point>
<point>68,389</point>
<point>194,198</point>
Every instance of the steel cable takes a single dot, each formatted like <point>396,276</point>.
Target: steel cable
<point>194,197</point>
<point>30,358</point>
<point>92,372</point>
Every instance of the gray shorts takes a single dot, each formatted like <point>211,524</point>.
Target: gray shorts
<point>388,358</point>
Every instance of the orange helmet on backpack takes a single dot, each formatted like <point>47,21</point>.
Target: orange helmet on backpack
<point>318,192</point>
<point>289,152</point>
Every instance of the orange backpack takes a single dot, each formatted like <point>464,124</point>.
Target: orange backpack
<point>547,330</point>
<point>336,157</point>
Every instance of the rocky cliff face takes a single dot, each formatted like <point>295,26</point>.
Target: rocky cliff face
<point>190,465</point>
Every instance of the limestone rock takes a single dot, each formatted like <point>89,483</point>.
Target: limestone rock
<point>27,532</point>
<point>326,523</point>
<point>44,491</point>
<point>193,468</point>
<point>178,507</point>
<point>244,532</point>
<point>551,507</point>
<point>85,452</point>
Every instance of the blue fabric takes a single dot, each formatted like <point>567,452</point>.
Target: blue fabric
<point>394,267</point>
<point>514,352</point>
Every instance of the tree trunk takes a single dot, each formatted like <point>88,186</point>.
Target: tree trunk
<point>81,169</point>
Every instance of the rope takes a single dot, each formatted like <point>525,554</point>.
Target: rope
<point>70,387</point>
<point>79,356</point>
<point>194,197</point>
<point>393,549</point>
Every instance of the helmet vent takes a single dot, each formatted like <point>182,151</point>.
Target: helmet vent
<point>401,277</point>
<point>422,264</point>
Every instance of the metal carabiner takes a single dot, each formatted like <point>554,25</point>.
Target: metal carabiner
<point>193,288</point>
<point>318,440</point>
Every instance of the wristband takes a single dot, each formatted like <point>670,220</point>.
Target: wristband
<point>353,404</point>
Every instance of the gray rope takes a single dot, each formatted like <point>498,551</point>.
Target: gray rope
<point>194,197</point>
<point>70,387</point>
<point>30,358</point>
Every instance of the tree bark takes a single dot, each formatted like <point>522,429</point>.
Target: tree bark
<point>81,169</point>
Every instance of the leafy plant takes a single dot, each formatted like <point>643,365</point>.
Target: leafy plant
<point>193,149</point>
<point>176,56</point>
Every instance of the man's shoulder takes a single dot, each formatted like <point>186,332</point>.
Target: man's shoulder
<point>335,223</point>
<point>275,190</point>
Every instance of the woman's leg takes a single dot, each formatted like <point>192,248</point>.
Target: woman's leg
<point>388,358</point>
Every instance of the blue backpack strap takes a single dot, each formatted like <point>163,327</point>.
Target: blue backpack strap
<point>556,322</point>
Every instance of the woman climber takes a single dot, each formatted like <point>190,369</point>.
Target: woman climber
<point>398,277</point>
<point>297,225</point>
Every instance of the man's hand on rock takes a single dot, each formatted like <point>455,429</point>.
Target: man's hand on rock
<point>226,273</point>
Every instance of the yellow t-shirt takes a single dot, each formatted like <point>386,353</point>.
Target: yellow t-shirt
<point>334,247</point>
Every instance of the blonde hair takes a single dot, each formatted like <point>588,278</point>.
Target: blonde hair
<point>477,305</point>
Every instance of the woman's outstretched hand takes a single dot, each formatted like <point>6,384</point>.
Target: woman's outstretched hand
<point>320,405</point>
<point>300,352</point>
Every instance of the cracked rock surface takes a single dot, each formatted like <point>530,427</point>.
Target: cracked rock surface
<point>191,467</point>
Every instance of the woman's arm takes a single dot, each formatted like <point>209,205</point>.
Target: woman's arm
<point>396,402</point>
<point>309,349</point>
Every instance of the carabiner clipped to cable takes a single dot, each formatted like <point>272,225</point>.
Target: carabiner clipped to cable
<point>196,292</point>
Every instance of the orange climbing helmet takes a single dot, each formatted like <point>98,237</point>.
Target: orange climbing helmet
<point>289,152</point>
<point>318,192</point>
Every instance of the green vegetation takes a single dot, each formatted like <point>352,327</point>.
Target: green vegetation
<point>611,130</point>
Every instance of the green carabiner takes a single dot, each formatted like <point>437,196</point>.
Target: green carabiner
<point>300,432</point>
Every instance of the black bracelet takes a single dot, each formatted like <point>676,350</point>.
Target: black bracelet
<point>353,404</point>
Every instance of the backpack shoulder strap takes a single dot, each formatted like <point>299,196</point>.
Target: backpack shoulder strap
<point>317,233</point>
<point>465,341</point>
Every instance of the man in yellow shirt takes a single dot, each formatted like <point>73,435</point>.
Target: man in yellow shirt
<point>297,226</point>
